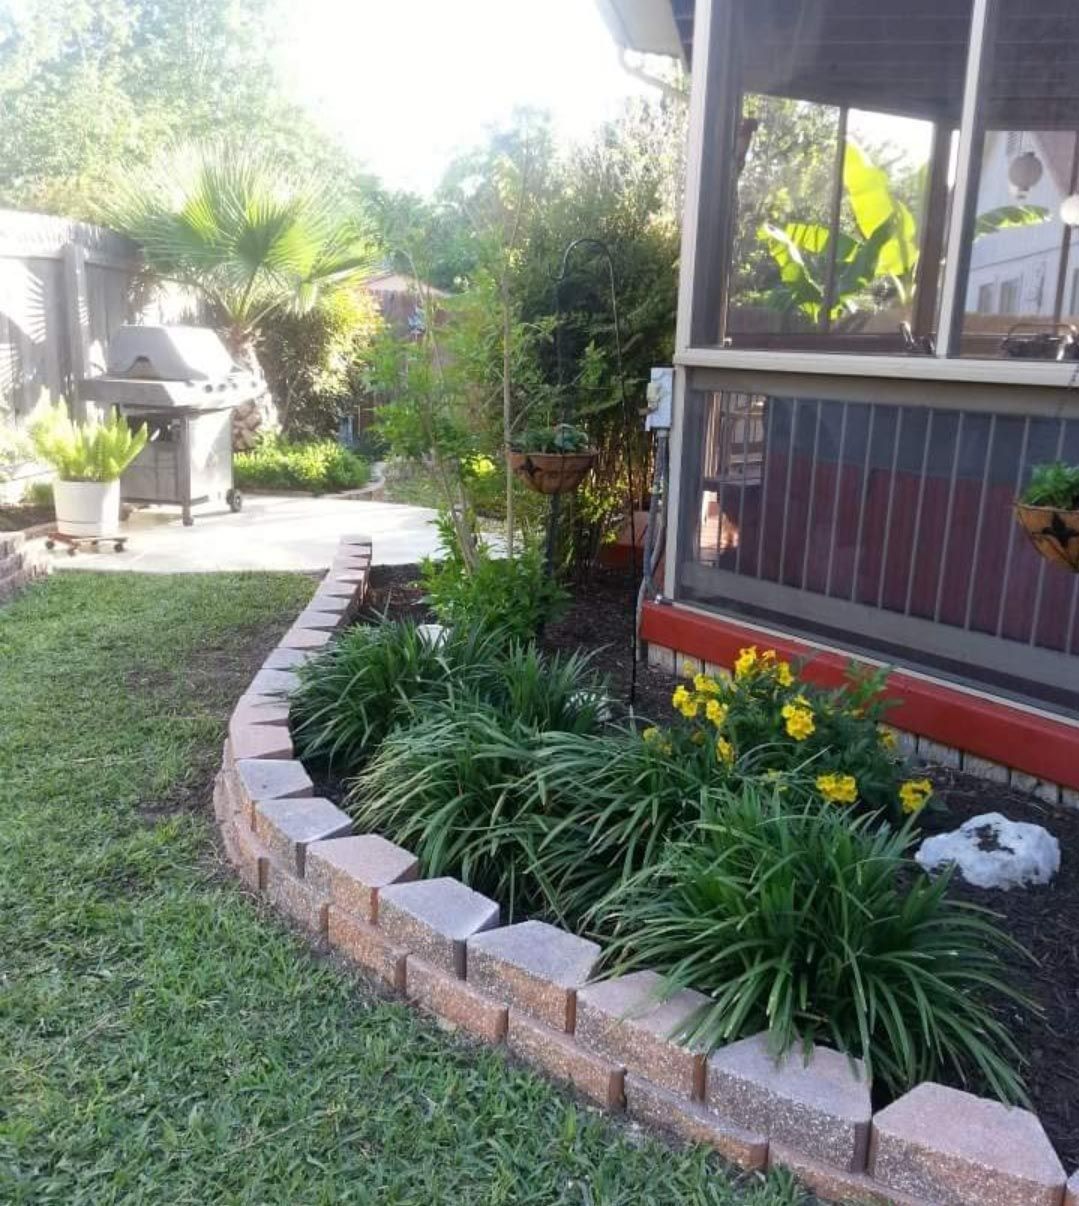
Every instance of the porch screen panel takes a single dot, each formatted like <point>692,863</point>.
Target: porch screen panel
<point>888,524</point>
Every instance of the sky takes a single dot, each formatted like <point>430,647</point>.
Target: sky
<point>406,83</point>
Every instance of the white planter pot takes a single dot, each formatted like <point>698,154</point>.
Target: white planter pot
<point>87,509</point>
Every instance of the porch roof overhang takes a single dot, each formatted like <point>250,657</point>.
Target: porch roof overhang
<point>909,61</point>
<point>662,27</point>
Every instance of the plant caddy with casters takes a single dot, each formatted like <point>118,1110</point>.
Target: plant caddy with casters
<point>89,459</point>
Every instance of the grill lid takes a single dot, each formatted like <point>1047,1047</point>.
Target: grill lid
<point>168,354</point>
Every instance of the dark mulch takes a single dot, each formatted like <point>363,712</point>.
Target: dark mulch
<point>17,518</point>
<point>1045,920</point>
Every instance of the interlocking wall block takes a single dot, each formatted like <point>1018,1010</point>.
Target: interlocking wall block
<point>246,853</point>
<point>368,946</point>
<point>283,658</point>
<point>353,870</point>
<point>338,590</point>
<point>274,682</point>
<point>956,1149</point>
<point>259,741</point>
<point>692,1122</point>
<point>534,966</point>
<point>270,779</point>
<point>314,638</point>
<point>834,1185</point>
<point>320,618</point>
<point>258,709</point>
<point>625,1020</point>
<point>289,826</point>
<point>558,1054</point>
<point>455,1001</point>
<point>294,897</point>
<point>821,1108</point>
<point>433,918</point>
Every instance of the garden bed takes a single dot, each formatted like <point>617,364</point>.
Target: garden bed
<point>24,517</point>
<point>1045,920</point>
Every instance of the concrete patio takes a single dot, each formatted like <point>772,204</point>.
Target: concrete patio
<point>273,532</point>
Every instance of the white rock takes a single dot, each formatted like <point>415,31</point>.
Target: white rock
<point>432,634</point>
<point>992,852</point>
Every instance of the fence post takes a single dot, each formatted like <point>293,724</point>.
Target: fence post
<point>77,314</point>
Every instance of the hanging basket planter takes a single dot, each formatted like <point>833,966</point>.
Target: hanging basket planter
<point>552,472</point>
<point>1053,532</point>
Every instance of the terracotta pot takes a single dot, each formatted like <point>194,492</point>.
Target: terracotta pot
<point>552,472</point>
<point>1054,533</point>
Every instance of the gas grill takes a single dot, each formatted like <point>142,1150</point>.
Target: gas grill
<point>183,384</point>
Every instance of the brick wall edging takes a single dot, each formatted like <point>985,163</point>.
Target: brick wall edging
<point>528,985</point>
<point>22,561</point>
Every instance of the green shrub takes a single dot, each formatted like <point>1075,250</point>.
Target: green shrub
<point>373,678</point>
<point>514,595</point>
<point>1054,485</point>
<point>453,784</point>
<point>93,451</point>
<point>814,924</point>
<point>320,467</point>
<point>770,720</point>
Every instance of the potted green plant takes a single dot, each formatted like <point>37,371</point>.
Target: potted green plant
<point>1048,511</point>
<point>88,459</point>
<point>552,460</point>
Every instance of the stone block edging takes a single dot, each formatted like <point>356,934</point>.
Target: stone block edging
<point>22,561</point>
<point>527,986</point>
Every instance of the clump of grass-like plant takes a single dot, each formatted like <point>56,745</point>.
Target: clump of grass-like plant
<point>453,786</point>
<point>372,679</point>
<point>813,924</point>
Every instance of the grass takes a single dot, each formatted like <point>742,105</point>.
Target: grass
<point>165,1039</point>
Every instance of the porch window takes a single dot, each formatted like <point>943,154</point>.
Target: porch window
<point>890,179</point>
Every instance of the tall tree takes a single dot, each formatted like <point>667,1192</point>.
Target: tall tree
<point>89,84</point>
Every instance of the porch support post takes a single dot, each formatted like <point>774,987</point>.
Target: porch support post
<point>968,170</point>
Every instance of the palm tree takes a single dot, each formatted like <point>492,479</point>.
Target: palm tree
<point>244,231</point>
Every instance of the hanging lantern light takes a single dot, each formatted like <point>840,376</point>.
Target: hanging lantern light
<point>1069,210</point>
<point>1024,173</point>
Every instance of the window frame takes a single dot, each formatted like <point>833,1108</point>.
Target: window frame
<point>706,246</point>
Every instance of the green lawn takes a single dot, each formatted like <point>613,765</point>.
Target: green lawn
<point>164,1039</point>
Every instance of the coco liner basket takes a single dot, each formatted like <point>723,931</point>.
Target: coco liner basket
<point>1053,532</point>
<point>552,472</point>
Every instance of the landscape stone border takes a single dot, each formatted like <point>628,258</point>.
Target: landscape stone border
<point>22,560</point>
<point>528,986</point>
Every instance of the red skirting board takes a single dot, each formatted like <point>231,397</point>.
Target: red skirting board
<point>995,729</point>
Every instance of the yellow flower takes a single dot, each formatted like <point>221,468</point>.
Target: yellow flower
<point>650,734</point>
<point>683,702</point>
<point>783,675</point>
<point>745,662</point>
<point>887,739</point>
<point>697,738</point>
<point>914,793</point>
<point>705,685</point>
<point>838,789</point>
<point>725,750</point>
<point>654,738</point>
<point>716,712</point>
<point>689,669</point>
<point>799,722</point>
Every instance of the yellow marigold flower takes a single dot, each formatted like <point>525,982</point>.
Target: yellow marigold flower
<point>784,676</point>
<point>799,722</point>
<point>769,655</point>
<point>689,669</point>
<point>716,712</point>
<point>680,698</point>
<point>705,685</point>
<point>887,739</point>
<point>914,793</point>
<point>838,789</point>
<point>745,662</point>
<point>725,750</point>
<point>650,734</point>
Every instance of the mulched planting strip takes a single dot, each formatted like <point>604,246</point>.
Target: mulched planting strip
<point>1045,920</point>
